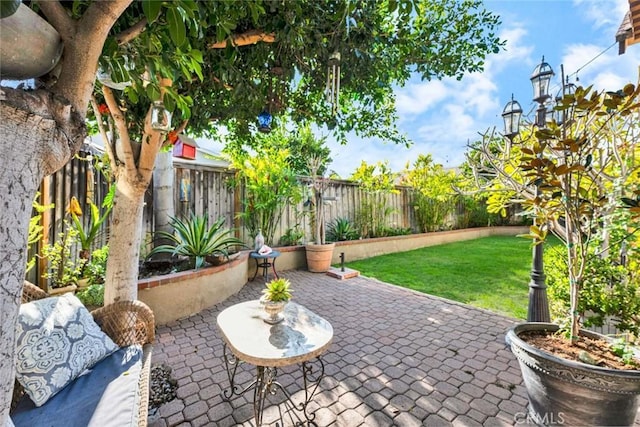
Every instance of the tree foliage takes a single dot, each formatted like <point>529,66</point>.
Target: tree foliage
<point>376,182</point>
<point>434,195</point>
<point>573,178</point>
<point>270,185</point>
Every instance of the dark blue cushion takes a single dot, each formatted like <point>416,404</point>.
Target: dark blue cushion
<point>105,395</point>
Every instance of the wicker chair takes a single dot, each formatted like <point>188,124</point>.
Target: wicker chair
<point>126,323</point>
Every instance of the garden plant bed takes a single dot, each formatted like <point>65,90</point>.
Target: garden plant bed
<point>560,347</point>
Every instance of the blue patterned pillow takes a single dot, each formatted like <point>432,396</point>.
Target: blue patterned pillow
<point>57,340</point>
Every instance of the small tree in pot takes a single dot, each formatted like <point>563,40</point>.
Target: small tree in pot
<point>574,176</point>
<point>319,253</point>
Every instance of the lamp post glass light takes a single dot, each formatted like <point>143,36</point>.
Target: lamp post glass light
<point>511,116</point>
<point>538,310</point>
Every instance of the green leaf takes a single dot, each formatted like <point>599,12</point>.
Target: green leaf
<point>151,9</point>
<point>153,92</point>
<point>177,29</point>
<point>196,54</point>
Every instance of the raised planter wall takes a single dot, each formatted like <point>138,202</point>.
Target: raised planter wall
<point>178,295</point>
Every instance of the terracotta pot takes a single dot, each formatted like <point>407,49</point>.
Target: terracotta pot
<point>565,392</point>
<point>319,257</point>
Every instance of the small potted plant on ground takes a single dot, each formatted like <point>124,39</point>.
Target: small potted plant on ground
<point>275,296</point>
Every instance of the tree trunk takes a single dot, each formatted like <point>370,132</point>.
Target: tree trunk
<point>124,240</point>
<point>163,209</point>
<point>39,134</point>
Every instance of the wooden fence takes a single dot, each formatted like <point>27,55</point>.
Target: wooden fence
<point>205,190</point>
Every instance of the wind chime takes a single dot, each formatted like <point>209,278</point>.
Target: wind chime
<point>333,82</point>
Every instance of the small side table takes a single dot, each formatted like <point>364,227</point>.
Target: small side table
<point>300,339</point>
<point>265,261</point>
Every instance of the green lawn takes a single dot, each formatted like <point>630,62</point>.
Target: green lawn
<point>491,273</point>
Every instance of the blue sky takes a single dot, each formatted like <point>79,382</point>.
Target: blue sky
<point>441,116</point>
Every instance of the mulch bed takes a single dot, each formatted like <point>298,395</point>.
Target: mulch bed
<point>560,347</point>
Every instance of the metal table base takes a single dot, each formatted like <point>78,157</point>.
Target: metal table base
<point>265,384</point>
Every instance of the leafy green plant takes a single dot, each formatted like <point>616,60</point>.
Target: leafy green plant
<point>293,236</point>
<point>93,296</point>
<point>277,290</point>
<point>609,291</point>
<point>96,268</point>
<point>624,351</point>
<point>193,238</point>
<point>433,192</point>
<point>88,236</point>
<point>397,231</point>
<point>341,229</point>
<point>64,269</point>
<point>270,185</point>
<point>35,229</point>
<point>376,181</point>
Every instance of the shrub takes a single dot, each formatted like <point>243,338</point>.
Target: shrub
<point>341,229</point>
<point>291,237</point>
<point>64,269</point>
<point>96,268</point>
<point>193,238</point>
<point>92,296</point>
<point>609,290</point>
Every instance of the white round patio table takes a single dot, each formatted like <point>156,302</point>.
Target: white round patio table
<point>300,338</point>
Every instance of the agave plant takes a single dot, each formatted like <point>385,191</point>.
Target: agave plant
<point>194,239</point>
<point>277,290</point>
<point>341,229</point>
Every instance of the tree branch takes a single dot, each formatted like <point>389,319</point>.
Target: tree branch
<point>58,18</point>
<point>123,132</point>
<point>132,32</point>
<point>152,140</point>
<point>109,147</point>
<point>245,39</point>
<point>83,49</point>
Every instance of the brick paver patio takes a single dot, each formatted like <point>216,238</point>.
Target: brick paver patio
<point>398,358</point>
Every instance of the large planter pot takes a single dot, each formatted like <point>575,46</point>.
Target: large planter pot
<point>319,257</point>
<point>564,392</point>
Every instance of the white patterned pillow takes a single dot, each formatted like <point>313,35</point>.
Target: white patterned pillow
<point>57,340</point>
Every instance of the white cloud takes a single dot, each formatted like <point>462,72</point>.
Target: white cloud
<point>515,50</point>
<point>416,98</point>
<point>603,14</point>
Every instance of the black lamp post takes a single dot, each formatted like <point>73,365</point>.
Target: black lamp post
<point>538,310</point>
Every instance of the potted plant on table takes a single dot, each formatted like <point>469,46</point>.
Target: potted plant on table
<point>576,178</point>
<point>275,297</point>
<point>319,253</point>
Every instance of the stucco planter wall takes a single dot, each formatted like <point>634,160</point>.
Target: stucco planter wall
<point>367,248</point>
<point>178,295</point>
